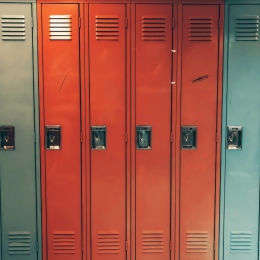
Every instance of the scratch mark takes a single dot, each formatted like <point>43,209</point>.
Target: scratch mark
<point>200,78</point>
<point>63,80</point>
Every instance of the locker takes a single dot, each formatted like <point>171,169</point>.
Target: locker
<point>60,130</point>
<point>198,123</point>
<point>20,223</point>
<point>152,97</point>
<point>108,127</point>
<point>240,169</point>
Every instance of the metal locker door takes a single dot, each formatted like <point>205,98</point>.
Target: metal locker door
<point>61,156</point>
<point>240,161</point>
<point>18,172</point>
<point>153,69</point>
<point>198,130</point>
<point>107,55</point>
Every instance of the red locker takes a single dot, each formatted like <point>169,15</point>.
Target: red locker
<point>153,70</point>
<point>199,103</point>
<point>107,83</point>
<point>61,151</point>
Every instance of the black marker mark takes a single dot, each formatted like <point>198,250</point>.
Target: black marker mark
<point>200,78</point>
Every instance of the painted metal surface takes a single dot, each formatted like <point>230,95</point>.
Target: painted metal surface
<point>61,106</point>
<point>153,68</point>
<point>241,106</point>
<point>19,175</point>
<point>107,72</point>
<point>199,101</point>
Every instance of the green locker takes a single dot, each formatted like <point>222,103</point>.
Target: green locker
<point>240,170</point>
<point>19,133</point>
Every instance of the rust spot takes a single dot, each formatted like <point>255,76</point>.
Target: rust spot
<point>201,78</point>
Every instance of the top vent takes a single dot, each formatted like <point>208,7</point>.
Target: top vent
<point>200,29</point>
<point>107,28</point>
<point>247,27</point>
<point>13,27</point>
<point>60,27</point>
<point>154,29</point>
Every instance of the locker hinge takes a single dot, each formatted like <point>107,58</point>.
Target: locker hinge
<point>126,23</point>
<point>220,22</point>
<point>217,138</point>
<point>126,137</point>
<point>173,22</point>
<point>126,245</point>
<point>79,22</point>
<point>170,245</point>
<point>214,245</point>
<point>81,137</point>
<point>82,246</point>
<point>37,246</point>
<point>171,142</point>
<point>32,22</point>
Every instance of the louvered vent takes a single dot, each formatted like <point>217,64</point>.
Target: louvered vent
<point>197,242</point>
<point>107,28</point>
<point>200,29</point>
<point>247,27</point>
<point>19,243</point>
<point>13,27</point>
<point>153,242</point>
<point>240,242</point>
<point>64,242</point>
<point>108,243</point>
<point>154,29</point>
<point>60,27</point>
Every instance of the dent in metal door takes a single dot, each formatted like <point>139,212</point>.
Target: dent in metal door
<point>199,109</point>
<point>153,69</point>
<point>18,171</point>
<point>241,167</point>
<point>107,43</point>
<point>61,95</point>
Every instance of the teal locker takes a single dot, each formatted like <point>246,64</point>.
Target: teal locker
<point>240,168</point>
<point>19,133</point>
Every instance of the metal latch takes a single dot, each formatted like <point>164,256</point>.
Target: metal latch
<point>7,137</point>
<point>189,137</point>
<point>143,137</point>
<point>98,137</point>
<point>53,137</point>
<point>234,137</point>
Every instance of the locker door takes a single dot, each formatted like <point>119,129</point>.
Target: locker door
<point>17,166</point>
<point>242,167</point>
<point>107,43</point>
<point>153,120</point>
<point>61,92</point>
<point>198,109</point>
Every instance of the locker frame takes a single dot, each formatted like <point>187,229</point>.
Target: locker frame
<point>36,109</point>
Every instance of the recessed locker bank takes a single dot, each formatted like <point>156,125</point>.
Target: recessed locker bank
<point>20,226</point>
<point>130,120</point>
<point>240,170</point>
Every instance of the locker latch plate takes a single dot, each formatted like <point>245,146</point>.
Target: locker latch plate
<point>7,137</point>
<point>234,137</point>
<point>189,137</point>
<point>143,137</point>
<point>53,137</point>
<point>98,137</point>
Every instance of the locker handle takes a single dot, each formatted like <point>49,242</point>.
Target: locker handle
<point>7,137</point>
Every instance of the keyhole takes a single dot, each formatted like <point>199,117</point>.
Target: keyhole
<point>6,138</point>
<point>51,138</point>
<point>186,137</point>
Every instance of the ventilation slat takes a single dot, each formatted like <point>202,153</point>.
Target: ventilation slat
<point>153,28</point>
<point>60,27</point>
<point>247,28</point>
<point>64,242</point>
<point>107,28</point>
<point>240,242</point>
<point>108,243</point>
<point>13,27</point>
<point>196,242</point>
<point>200,29</point>
<point>19,243</point>
<point>153,242</point>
